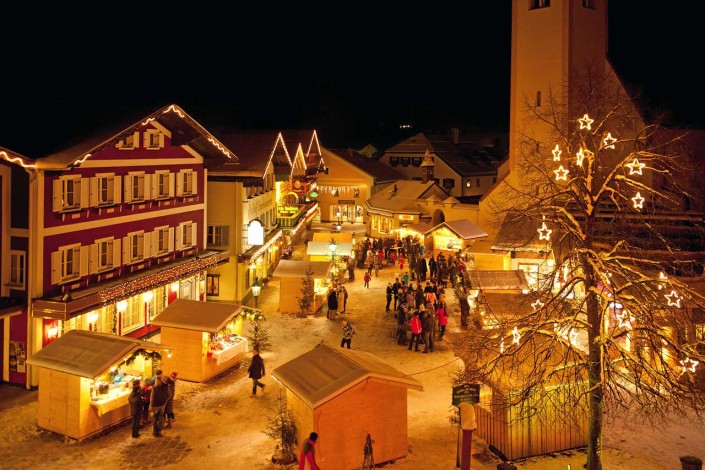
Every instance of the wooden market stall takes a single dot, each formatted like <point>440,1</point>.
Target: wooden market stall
<point>206,337</point>
<point>455,236</point>
<point>85,379</point>
<point>344,395</point>
<point>291,272</point>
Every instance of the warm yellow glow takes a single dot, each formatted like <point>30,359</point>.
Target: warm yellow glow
<point>148,296</point>
<point>573,336</point>
<point>556,154</point>
<point>538,305</point>
<point>561,173</point>
<point>635,167</point>
<point>121,306</point>
<point>544,232</point>
<point>175,287</point>
<point>608,141</point>
<point>92,317</point>
<point>17,160</point>
<point>581,155</point>
<point>688,365</point>
<point>515,335</point>
<point>501,347</point>
<point>52,332</point>
<point>624,320</point>
<point>674,299</point>
<point>586,122</point>
<point>638,201</point>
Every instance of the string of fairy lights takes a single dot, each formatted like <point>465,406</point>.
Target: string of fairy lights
<point>636,168</point>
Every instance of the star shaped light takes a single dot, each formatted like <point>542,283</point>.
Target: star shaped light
<point>635,167</point>
<point>544,232</point>
<point>638,201</point>
<point>673,299</point>
<point>501,347</point>
<point>556,154</point>
<point>608,141</point>
<point>561,173</point>
<point>625,320</point>
<point>573,336</point>
<point>537,305</point>
<point>688,365</point>
<point>516,335</point>
<point>586,122</point>
<point>662,276</point>
<point>581,155</point>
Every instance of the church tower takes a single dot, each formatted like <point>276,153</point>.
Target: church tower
<point>427,168</point>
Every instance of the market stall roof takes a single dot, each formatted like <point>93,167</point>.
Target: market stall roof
<point>87,353</point>
<point>498,280</point>
<point>462,228</point>
<point>325,372</point>
<point>188,314</point>
<point>292,268</point>
<point>321,248</point>
<point>420,227</point>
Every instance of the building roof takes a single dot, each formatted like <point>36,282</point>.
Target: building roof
<point>462,228</point>
<point>87,353</point>
<point>326,372</point>
<point>294,268</point>
<point>184,131</point>
<point>403,197</point>
<point>255,149</point>
<point>497,280</point>
<point>188,314</point>
<point>321,248</point>
<point>380,172</point>
<point>520,234</point>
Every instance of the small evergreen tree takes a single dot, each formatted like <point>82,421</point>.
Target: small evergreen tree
<point>259,334</point>
<point>282,429</point>
<point>307,292</point>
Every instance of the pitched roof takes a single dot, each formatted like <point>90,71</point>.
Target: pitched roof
<point>184,131</point>
<point>520,234</point>
<point>498,280</point>
<point>380,172</point>
<point>255,149</point>
<point>188,314</point>
<point>87,353</point>
<point>295,268</point>
<point>404,196</point>
<point>463,228</point>
<point>325,372</point>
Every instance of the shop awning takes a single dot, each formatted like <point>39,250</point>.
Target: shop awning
<point>325,372</point>
<point>292,268</point>
<point>188,314</point>
<point>88,354</point>
<point>322,248</point>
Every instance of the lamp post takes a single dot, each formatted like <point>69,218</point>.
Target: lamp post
<point>256,288</point>
<point>339,226</point>
<point>333,247</point>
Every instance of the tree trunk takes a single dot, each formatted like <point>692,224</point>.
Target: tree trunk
<point>595,377</point>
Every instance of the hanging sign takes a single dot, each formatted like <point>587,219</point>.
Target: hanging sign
<point>255,233</point>
<point>313,194</point>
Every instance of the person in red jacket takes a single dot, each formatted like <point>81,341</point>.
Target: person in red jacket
<point>308,454</point>
<point>416,329</point>
<point>442,317</point>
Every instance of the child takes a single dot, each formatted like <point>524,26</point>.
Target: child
<point>367,280</point>
<point>401,262</point>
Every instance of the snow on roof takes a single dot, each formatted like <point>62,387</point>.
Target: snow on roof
<point>195,315</point>
<point>463,228</point>
<point>322,248</point>
<point>325,372</point>
<point>498,280</point>
<point>404,196</point>
<point>292,268</point>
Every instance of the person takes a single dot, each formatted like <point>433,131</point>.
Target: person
<point>344,293</point>
<point>348,332</point>
<point>390,292</point>
<point>160,395</point>
<point>427,324</point>
<point>401,325</point>
<point>396,290</point>
<point>146,398</point>
<point>135,400</point>
<point>367,280</point>
<point>442,319</point>
<point>405,278</point>
<point>401,263</point>
<point>256,371</point>
<point>416,329</point>
<point>332,303</point>
<point>377,263</point>
<point>308,455</point>
<point>169,410</point>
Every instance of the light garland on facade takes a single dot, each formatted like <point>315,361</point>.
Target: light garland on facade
<point>255,256</point>
<point>339,189</point>
<point>18,160</point>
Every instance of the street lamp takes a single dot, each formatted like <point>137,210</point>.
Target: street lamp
<point>339,226</point>
<point>256,288</point>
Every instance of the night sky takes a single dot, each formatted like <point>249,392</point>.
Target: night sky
<point>355,76</point>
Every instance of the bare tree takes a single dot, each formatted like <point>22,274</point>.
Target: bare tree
<point>608,326</point>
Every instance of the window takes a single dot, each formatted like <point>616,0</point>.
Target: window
<point>416,161</point>
<point>448,183</point>
<point>128,142</point>
<point>75,323</point>
<point>105,189</point>
<point>477,182</point>
<point>69,263</point>
<point>185,236</point>
<point>133,250</point>
<point>68,194</point>
<point>436,180</point>
<point>17,269</point>
<point>538,99</point>
<point>591,4</point>
<point>153,139</point>
<point>468,184</point>
<point>218,235</point>
<point>162,188</point>
<point>186,183</point>
<point>135,187</point>
<point>105,324</point>
<point>416,178</point>
<point>132,316</point>
<point>534,4</point>
<point>404,161</point>
<point>494,179</point>
<point>356,192</point>
<point>103,255</point>
<point>393,161</point>
<point>162,241</point>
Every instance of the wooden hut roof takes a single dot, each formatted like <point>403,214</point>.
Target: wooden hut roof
<point>293,268</point>
<point>189,314</point>
<point>325,372</point>
<point>87,353</point>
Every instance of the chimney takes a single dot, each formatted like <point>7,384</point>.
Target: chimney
<point>455,135</point>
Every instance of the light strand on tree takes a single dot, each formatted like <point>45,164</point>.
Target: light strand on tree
<point>556,154</point>
<point>561,173</point>
<point>688,365</point>
<point>674,300</point>
<point>638,201</point>
<point>608,141</point>
<point>586,122</point>
<point>538,305</point>
<point>516,336</point>
<point>544,231</point>
<point>573,336</point>
<point>625,320</point>
<point>662,276</point>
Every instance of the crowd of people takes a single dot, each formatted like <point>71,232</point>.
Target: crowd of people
<point>155,396</point>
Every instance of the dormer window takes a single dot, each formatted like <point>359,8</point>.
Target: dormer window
<point>129,142</point>
<point>535,4</point>
<point>153,139</point>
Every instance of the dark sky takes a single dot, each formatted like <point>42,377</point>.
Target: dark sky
<point>353,74</point>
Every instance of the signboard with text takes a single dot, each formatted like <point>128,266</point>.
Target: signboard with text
<point>468,393</point>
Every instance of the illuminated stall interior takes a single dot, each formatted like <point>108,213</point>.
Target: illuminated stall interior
<point>455,237</point>
<point>85,379</point>
<point>291,273</point>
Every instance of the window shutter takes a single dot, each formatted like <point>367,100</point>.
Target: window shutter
<point>125,250</point>
<point>147,238</point>
<point>194,182</point>
<point>83,185</point>
<point>136,140</point>
<point>93,259</point>
<point>161,140</point>
<point>128,188</point>
<point>154,242</point>
<point>116,252</point>
<point>154,184</point>
<point>117,189</point>
<point>140,246</point>
<point>57,206</point>
<point>145,140</point>
<point>179,229</point>
<point>225,233</point>
<point>171,239</point>
<point>146,186</point>
<point>180,183</point>
<point>171,184</point>
<point>83,255</point>
<point>94,191</point>
<point>55,267</point>
<point>194,234</point>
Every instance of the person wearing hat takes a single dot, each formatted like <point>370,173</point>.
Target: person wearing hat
<point>135,400</point>
<point>308,454</point>
<point>160,395</point>
<point>169,409</point>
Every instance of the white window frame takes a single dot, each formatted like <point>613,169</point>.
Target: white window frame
<point>218,235</point>
<point>153,139</point>
<point>104,324</point>
<point>105,189</point>
<point>136,187</point>
<point>70,194</point>
<point>132,317</point>
<point>69,263</point>
<point>163,187</point>
<point>162,240</point>
<point>186,235</point>
<point>106,255</point>
<point>186,184</point>
<point>134,250</point>
<point>18,269</point>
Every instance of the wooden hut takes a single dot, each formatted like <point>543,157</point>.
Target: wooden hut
<point>206,337</point>
<point>454,237</point>
<point>85,379</point>
<point>290,273</point>
<point>344,395</point>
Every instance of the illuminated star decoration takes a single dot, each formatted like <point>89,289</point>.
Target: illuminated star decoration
<point>561,173</point>
<point>556,154</point>
<point>581,155</point>
<point>688,365</point>
<point>501,347</point>
<point>635,167</point>
<point>609,141</point>
<point>673,299</point>
<point>573,336</point>
<point>638,201</point>
<point>544,232</point>
<point>624,320</point>
<point>586,122</point>
<point>662,276</point>
<point>516,335</point>
<point>538,304</point>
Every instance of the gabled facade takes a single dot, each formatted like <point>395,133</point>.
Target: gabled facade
<point>118,227</point>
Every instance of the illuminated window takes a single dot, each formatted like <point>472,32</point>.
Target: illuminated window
<point>534,4</point>
<point>17,269</point>
<point>67,194</point>
<point>185,184</point>
<point>135,187</point>
<point>153,139</point>
<point>218,235</point>
<point>132,316</point>
<point>161,188</point>
<point>468,184</point>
